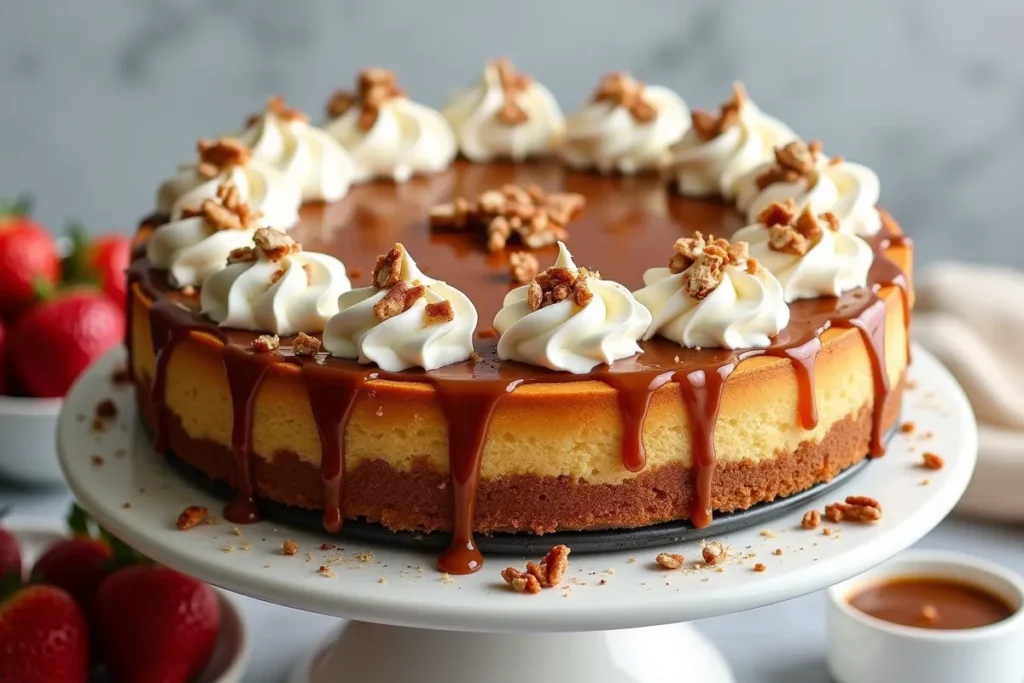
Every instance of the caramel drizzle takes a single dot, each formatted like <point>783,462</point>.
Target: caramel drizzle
<point>468,411</point>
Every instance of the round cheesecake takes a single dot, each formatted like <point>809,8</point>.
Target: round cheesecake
<point>490,445</point>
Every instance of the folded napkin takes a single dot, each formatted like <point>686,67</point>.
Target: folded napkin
<point>971,317</point>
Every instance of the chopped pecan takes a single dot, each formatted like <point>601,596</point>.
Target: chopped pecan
<point>536,217</point>
<point>305,345</point>
<point>230,213</point>
<point>439,312</point>
<point>513,83</point>
<point>855,509</point>
<point>520,582</point>
<point>241,255</point>
<point>275,244</point>
<point>670,560</point>
<point>811,520</point>
<point>933,461</point>
<point>522,266</point>
<point>707,126</point>
<point>622,90</point>
<point>190,517</point>
<point>794,161</point>
<point>713,553</point>
<point>290,547</point>
<point>558,283</point>
<point>778,213</point>
<point>388,270</point>
<point>785,239</point>
<point>398,299</point>
<point>266,343</point>
<point>374,88</point>
<point>276,105</point>
<point>759,567</point>
<point>554,565</point>
<point>217,155</point>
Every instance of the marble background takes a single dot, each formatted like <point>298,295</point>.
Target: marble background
<point>99,99</point>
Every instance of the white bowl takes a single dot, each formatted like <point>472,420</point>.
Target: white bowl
<point>231,652</point>
<point>28,440</point>
<point>864,649</point>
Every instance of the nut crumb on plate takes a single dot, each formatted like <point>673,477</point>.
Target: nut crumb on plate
<point>713,553</point>
<point>670,560</point>
<point>932,461</point>
<point>191,516</point>
<point>290,547</point>
<point>760,567</point>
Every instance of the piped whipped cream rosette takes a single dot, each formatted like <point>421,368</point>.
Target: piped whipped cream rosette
<point>283,137</point>
<point>808,254</point>
<point>801,172</point>
<point>273,286</point>
<point>627,127</point>
<point>505,115</point>
<point>404,320</point>
<point>197,245</point>
<point>713,295</point>
<point>387,134</point>
<point>259,184</point>
<point>718,150</point>
<point>569,319</point>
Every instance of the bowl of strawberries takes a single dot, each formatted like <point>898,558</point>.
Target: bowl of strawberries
<point>78,606</point>
<point>62,304</point>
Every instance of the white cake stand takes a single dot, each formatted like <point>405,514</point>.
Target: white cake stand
<point>618,618</point>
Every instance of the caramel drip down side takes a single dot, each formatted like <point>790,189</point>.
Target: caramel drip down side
<point>246,372</point>
<point>332,396</point>
<point>702,395</point>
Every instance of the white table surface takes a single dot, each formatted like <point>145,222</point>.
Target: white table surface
<point>783,643</point>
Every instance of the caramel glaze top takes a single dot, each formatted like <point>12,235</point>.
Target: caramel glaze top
<point>627,226</point>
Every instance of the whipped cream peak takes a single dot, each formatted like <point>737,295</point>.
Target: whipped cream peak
<point>274,287</point>
<point>258,183</point>
<point>386,134</point>
<point>809,254</point>
<point>718,150</point>
<point>282,137</point>
<point>567,318</point>
<point>198,244</point>
<point>505,115</point>
<point>404,319</point>
<point>803,173</point>
<point>713,294</point>
<point>626,127</point>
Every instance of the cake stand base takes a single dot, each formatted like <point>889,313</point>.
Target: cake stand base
<point>362,651</point>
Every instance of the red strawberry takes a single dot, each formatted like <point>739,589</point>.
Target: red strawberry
<point>78,565</point>
<point>10,555</point>
<point>155,625</point>
<point>109,256</point>
<point>43,637</point>
<point>54,342</point>
<point>28,261</point>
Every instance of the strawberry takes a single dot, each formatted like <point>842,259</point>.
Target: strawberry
<point>54,342</point>
<point>43,637</point>
<point>10,555</point>
<point>155,625</point>
<point>109,256</point>
<point>78,565</point>
<point>29,260</point>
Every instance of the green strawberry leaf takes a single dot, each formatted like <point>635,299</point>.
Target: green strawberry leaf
<point>79,521</point>
<point>19,208</point>
<point>10,583</point>
<point>75,268</point>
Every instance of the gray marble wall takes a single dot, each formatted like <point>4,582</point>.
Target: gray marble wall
<point>99,99</point>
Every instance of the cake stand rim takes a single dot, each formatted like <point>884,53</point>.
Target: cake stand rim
<point>488,607</point>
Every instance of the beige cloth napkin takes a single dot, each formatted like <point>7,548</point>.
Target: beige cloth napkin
<point>971,317</point>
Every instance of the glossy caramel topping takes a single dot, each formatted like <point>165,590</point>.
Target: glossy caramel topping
<point>930,602</point>
<point>627,226</point>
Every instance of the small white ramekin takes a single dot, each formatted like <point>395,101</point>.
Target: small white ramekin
<point>864,649</point>
<point>28,440</point>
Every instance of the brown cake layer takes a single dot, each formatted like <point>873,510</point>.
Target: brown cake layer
<point>420,498</point>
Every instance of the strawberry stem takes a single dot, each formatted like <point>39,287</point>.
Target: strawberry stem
<point>19,208</point>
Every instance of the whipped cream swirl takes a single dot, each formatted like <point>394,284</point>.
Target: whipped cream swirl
<point>283,137</point>
<point>505,115</point>
<point>388,135</point>
<point>716,301</point>
<point>195,247</point>
<point>259,184</point>
<point>801,173</point>
<point>573,334</point>
<point>627,127</point>
<point>275,287</point>
<point>717,151</point>
<point>404,320</point>
<point>808,254</point>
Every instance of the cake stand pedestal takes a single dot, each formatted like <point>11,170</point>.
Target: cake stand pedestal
<point>617,618</point>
